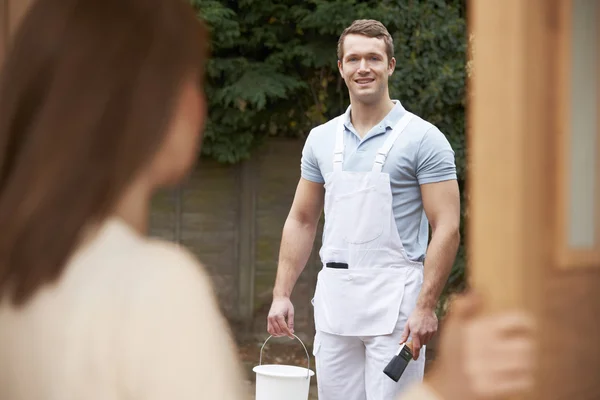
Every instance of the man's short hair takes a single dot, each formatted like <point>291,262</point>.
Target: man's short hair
<point>370,28</point>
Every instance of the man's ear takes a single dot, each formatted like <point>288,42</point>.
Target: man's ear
<point>340,68</point>
<point>392,66</point>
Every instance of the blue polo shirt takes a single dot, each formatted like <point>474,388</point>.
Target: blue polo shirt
<point>421,155</point>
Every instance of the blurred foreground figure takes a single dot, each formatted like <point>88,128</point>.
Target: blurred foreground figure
<point>101,103</point>
<point>481,357</point>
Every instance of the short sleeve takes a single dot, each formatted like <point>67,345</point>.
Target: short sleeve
<point>435,158</point>
<point>177,343</point>
<point>309,165</point>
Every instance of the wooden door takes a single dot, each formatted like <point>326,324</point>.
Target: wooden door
<point>534,147</point>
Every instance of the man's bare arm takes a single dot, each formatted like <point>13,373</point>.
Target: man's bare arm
<point>296,245</point>
<point>298,235</point>
<point>441,202</point>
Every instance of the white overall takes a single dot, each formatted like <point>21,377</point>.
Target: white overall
<point>360,312</point>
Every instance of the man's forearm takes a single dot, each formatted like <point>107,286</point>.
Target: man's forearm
<point>438,263</point>
<point>296,245</point>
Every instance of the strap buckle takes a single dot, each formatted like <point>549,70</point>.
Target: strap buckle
<point>380,158</point>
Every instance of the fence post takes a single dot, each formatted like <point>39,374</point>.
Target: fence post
<point>247,240</point>
<point>178,197</point>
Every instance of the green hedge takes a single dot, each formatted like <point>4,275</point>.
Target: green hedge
<point>273,71</point>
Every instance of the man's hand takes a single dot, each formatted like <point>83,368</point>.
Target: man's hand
<point>282,309</point>
<point>421,326</point>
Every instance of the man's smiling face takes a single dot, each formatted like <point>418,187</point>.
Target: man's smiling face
<point>365,67</point>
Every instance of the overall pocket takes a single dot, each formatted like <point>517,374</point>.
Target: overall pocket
<point>363,302</point>
<point>360,215</point>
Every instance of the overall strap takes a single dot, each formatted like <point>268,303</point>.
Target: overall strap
<point>338,152</point>
<point>382,153</point>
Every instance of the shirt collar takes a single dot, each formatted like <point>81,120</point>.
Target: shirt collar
<point>389,121</point>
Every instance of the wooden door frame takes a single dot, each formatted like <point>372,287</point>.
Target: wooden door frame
<point>511,98</point>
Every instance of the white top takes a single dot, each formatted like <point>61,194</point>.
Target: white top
<point>130,318</point>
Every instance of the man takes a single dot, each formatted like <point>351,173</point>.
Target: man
<point>382,175</point>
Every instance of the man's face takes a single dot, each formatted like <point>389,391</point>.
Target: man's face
<point>365,67</point>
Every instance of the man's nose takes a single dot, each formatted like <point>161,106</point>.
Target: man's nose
<point>363,67</point>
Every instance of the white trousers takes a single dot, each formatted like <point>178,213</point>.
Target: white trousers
<point>351,368</point>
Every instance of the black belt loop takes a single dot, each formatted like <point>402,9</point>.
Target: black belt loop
<point>336,265</point>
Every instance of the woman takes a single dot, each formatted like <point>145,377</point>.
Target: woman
<point>101,104</point>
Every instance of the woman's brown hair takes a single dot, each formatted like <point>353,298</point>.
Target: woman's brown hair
<point>86,93</point>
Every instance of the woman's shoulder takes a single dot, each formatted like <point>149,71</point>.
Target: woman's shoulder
<point>159,251</point>
<point>171,266</point>
<point>151,266</point>
<point>144,255</point>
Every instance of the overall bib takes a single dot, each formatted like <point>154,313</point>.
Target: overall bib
<point>367,287</point>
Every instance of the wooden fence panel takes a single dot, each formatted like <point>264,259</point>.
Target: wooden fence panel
<point>231,218</point>
<point>209,226</point>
